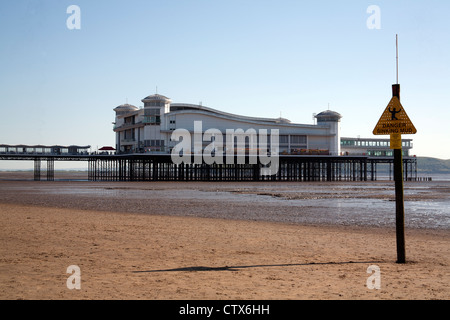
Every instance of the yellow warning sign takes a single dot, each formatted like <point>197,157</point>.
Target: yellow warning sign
<point>394,120</point>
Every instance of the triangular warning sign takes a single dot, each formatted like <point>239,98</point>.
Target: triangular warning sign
<point>394,120</point>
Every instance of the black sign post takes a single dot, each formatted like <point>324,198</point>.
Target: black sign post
<point>395,122</point>
<point>399,192</point>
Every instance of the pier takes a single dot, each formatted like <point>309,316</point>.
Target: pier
<point>160,167</point>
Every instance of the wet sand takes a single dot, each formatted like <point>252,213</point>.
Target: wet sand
<point>209,241</point>
<point>368,204</point>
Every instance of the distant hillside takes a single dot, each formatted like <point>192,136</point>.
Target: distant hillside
<point>432,165</point>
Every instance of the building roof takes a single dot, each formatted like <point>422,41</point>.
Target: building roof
<point>282,120</point>
<point>176,107</point>
<point>156,97</point>
<point>125,107</point>
<point>328,115</point>
<point>128,110</point>
<point>107,148</point>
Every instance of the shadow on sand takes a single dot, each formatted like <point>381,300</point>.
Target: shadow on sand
<point>236,268</point>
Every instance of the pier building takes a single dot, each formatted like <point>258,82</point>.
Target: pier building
<point>148,129</point>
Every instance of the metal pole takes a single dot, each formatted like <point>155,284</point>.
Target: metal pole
<point>396,55</point>
<point>399,201</point>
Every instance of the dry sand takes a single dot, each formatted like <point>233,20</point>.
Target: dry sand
<point>137,256</point>
<point>163,254</point>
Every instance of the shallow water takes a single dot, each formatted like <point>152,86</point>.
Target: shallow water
<point>427,204</point>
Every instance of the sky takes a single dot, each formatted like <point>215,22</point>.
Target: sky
<point>59,85</point>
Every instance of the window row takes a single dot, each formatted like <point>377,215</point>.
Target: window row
<point>294,139</point>
<point>153,143</point>
<point>370,143</point>
<point>152,112</point>
<point>154,104</point>
<point>155,120</point>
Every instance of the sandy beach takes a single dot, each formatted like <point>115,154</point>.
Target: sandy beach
<point>217,246</point>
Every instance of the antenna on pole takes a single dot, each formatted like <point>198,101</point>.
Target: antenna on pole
<point>396,54</point>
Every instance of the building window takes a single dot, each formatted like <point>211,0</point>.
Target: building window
<point>154,120</point>
<point>172,123</point>
<point>284,139</point>
<point>375,153</point>
<point>152,116</point>
<point>129,135</point>
<point>152,112</point>
<point>154,143</point>
<point>297,139</point>
<point>129,120</point>
<point>347,142</point>
<point>154,104</point>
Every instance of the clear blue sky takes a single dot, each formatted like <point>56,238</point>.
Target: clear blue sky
<point>250,57</point>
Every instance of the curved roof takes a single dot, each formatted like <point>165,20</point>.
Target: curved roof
<point>328,115</point>
<point>125,107</point>
<point>185,106</point>
<point>176,108</point>
<point>282,120</point>
<point>156,97</point>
